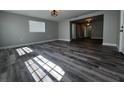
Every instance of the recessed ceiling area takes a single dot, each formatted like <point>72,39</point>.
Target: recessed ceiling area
<point>93,18</point>
<point>64,14</point>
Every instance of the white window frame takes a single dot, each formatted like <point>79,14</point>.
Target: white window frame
<point>36,26</point>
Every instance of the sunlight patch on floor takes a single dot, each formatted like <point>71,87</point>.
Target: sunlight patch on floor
<point>37,65</point>
<point>23,50</point>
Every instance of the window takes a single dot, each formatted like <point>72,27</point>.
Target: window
<point>36,26</point>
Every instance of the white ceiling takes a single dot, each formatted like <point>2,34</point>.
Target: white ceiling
<point>64,14</point>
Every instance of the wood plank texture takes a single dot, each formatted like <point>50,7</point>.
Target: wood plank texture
<point>60,61</point>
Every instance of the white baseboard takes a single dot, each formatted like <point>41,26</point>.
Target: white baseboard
<point>109,44</point>
<point>32,43</point>
<point>64,39</point>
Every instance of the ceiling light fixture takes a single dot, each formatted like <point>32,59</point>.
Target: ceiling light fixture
<point>54,12</point>
<point>88,21</point>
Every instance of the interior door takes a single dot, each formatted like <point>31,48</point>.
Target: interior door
<point>123,41</point>
<point>121,46</point>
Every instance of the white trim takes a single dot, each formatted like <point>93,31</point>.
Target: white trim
<point>64,39</point>
<point>13,46</point>
<point>109,44</point>
<point>120,41</point>
<point>96,38</point>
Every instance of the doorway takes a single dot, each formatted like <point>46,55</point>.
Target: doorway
<point>90,28</point>
<point>121,39</point>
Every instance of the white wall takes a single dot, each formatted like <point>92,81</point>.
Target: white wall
<point>64,30</point>
<point>110,29</point>
<point>121,36</point>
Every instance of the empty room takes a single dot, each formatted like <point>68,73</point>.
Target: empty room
<point>61,46</point>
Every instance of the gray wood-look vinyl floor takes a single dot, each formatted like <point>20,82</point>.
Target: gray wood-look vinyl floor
<point>62,61</point>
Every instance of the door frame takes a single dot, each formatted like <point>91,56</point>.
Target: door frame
<point>121,31</point>
<point>70,22</point>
